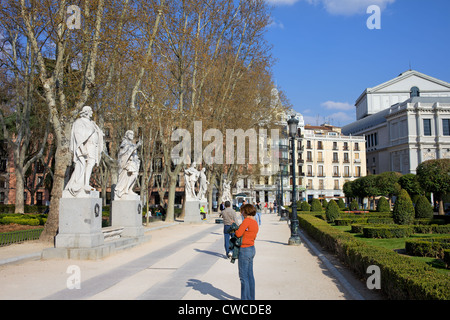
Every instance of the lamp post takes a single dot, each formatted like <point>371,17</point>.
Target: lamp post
<point>295,237</point>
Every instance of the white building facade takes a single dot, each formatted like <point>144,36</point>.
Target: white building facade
<point>405,121</point>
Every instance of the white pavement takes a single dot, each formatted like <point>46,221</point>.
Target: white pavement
<point>183,262</point>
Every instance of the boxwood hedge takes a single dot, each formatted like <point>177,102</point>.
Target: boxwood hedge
<point>428,247</point>
<point>401,277</point>
<point>387,231</point>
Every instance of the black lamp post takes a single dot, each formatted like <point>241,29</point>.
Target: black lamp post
<point>295,237</point>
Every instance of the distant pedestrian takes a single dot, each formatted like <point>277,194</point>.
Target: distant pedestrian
<point>203,212</point>
<point>229,217</point>
<point>248,231</point>
<point>271,207</point>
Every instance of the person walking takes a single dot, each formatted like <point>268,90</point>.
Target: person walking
<point>229,217</point>
<point>248,231</point>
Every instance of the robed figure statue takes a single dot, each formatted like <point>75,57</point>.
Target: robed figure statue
<point>86,144</point>
<point>128,166</point>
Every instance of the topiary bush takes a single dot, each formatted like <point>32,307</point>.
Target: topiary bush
<point>332,212</point>
<point>403,212</point>
<point>316,206</point>
<point>305,206</point>
<point>354,205</point>
<point>383,205</point>
<point>423,209</point>
<point>341,203</point>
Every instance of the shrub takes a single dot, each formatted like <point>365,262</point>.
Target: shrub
<point>305,206</point>
<point>341,203</point>
<point>383,205</point>
<point>447,258</point>
<point>428,247</point>
<point>332,211</point>
<point>354,205</point>
<point>401,277</point>
<point>387,231</point>
<point>423,208</point>
<point>316,206</point>
<point>358,227</point>
<point>324,203</point>
<point>403,209</point>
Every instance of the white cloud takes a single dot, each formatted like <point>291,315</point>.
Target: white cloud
<point>350,7</point>
<point>274,23</point>
<point>332,105</point>
<point>282,2</point>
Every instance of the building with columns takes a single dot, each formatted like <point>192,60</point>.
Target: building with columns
<point>405,121</point>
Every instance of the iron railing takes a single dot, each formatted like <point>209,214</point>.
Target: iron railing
<point>7,238</point>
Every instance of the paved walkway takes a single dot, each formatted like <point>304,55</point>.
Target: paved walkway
<point>183,262</point>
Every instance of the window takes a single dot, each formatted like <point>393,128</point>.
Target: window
<point>309,185</point>
<point>335,147</point>
<point>356,146</point>
<point>427,127</point>
<point>308,156</point>
<point>346,157</point>
<point>319,157</point>
<point>335,157</point>
<point>320,174</point>
<point>345,145</point>
<point>320,184</point>
<point>346,171</point>
<point>336,171</point>
<point>310,171</point>
<point>358,172</point>
<point>446,127</point>
<point>319,145</point>
<point>336,184</point>
<point>308,144</point>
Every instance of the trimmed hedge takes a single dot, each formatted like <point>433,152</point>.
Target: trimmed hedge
<point>428,247</point>
<point>401,277</point>
<point>387,231</point>
<point>23,219</point>
<point>447,258</point>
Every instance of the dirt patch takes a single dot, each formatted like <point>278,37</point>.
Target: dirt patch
<point>16,227</point>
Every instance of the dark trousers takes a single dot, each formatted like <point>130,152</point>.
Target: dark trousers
<point>226,236</point>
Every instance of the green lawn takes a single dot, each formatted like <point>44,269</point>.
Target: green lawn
<point>399,244</point>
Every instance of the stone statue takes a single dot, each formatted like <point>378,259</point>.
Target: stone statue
<point>190,178</point>
<point>86,144</point>
<point>203,185</point>
<point>128,167</point>
<point>226,195</point>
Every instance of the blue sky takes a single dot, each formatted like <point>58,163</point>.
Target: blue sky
<point>326,56</point>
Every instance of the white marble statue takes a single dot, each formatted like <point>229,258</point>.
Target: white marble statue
<point>226,193</point>
<point>128,167</point>
<point>86,144</point>
<point>203,185</point>
<point>190,178</point>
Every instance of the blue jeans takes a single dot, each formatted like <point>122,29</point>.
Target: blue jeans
<point>245,263</point>
<point>226,236</point>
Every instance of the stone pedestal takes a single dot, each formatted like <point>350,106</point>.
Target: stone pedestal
<point>192,211</point>
<point>80,222</point>
<point>128,214</point>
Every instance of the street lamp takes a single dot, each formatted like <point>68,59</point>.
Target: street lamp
<point>295,237</point>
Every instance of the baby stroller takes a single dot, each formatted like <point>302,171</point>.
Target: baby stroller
<point>235,242</point>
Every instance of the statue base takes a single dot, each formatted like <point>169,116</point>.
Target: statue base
<point>128,214</point>
<point>192,211</point>
<point>80,223</point>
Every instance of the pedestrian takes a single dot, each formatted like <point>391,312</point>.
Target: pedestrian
<point>248,231</point>
<point>222,206</point>
<point>203,212</point>
<point>229,217</point>
<point>265,207</point>
<point>271,207</point>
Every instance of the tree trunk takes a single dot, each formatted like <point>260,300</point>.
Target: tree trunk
<point>170,213</point>
<point>51,226</point>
